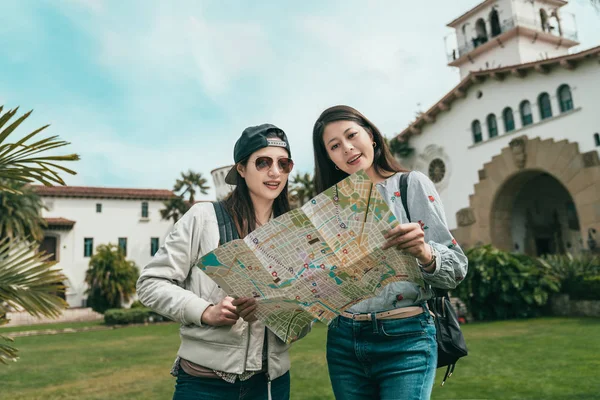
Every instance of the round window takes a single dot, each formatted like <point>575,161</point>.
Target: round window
<point>437,170</point>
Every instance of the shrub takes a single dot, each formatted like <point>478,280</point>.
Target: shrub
<point>590,289</point>
<point>110,277</point>
<point>502,285</point>
<point>124,316</point>
<point>137,304</point>
<point>578,275</point>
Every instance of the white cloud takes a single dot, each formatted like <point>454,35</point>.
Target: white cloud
<point>177,64</point>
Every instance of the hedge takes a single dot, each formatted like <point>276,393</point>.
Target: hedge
<point>124,316</point>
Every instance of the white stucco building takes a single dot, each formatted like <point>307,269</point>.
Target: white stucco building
<point>81,218</point>
<point>513,147</point>
<point>222,189</point>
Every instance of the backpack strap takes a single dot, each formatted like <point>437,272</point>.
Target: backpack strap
<point>404,193</point>
<point>227,229</point>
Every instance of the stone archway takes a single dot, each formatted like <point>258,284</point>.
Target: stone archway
<point>489,217</point>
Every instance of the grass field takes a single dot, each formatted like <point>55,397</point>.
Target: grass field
<point>553,358</point>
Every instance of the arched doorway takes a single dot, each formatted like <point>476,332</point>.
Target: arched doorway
<point>546,177</point>
<point>543,218</point>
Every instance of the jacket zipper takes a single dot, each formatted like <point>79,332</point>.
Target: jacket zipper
<point>267,374</point>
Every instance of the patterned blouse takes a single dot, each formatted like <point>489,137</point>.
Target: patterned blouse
<point>426,208</point>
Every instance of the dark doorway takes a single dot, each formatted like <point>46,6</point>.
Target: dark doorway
<point>48,246</point>
<point>543,246</point>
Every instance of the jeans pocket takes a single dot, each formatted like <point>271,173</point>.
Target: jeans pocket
<point>405,327</point>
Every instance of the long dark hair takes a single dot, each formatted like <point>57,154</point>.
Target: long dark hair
<point>326,174</point>
<point>239,204</point>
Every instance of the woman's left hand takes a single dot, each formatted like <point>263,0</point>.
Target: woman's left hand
<point>410,238</point>
<point>246,308</point>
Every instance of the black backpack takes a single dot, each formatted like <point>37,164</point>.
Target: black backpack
<point>227,230</point>
<point>450,340</point>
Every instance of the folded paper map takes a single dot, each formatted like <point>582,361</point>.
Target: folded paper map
<point>315,261</point>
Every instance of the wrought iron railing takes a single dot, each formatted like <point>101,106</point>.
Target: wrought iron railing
<point>506,25</point>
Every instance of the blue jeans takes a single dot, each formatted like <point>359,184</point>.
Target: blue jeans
<point>195,388</point>
<point>382,359</point>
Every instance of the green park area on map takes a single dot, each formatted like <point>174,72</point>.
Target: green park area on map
<point>316,261</point>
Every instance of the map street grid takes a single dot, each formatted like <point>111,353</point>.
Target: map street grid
<point>315,261</point>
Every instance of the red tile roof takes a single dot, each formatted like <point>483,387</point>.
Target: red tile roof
<point>59,222</point>
<point>102,192</point>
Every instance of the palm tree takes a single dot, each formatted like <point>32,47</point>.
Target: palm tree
<point>20,213</point>
<point>111,278</point>
<point>189,182</point>
<point>27,279</point>
<point>302,188</point>
<point>174,208</point>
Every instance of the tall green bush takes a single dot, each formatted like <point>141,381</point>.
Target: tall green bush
<point>502,285</point>
<point>111,278</point>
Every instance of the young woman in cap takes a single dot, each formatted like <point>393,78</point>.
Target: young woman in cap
<point>392,355</point>
<point>225,352</point>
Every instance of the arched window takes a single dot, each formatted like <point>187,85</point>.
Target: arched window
<point>597,139</point>
<point>509,119</point>
<point>526,117</point>
<point>544,105</point>
<point>495,23</point>
<point>481,32</point>
<point>492,126</point>
<point>565,99</point>
<point>476,129</point>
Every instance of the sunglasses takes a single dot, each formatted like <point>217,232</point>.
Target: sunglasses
<point>265,163</point>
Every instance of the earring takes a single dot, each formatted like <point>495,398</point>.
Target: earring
<point>374,144</point>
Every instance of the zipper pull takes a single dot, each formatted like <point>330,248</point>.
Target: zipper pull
<point>269,386</point>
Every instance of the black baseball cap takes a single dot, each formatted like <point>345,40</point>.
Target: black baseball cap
<point>255,138</point>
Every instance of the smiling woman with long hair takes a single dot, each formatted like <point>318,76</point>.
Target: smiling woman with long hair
<point>225,352</point>
<point>385,347</point>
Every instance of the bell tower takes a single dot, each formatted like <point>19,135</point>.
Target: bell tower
<point>499,33</point>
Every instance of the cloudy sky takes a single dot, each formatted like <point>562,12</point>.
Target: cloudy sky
<point>146,89</point>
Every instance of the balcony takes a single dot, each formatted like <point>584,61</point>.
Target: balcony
<point>458,51</point>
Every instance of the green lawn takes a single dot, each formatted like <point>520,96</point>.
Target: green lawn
<point>553,358</point>
<point>41,327</point>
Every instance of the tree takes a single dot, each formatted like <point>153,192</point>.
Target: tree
<point>189,182</point>
<point>302,188</point>
<point>27,279</point>
<point>400,148</point>
<point>111,278</point>
<point>174,209</point>
<point>20,215</point>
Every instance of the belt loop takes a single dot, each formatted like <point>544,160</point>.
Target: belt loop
<point>374,322</point>
<point>426,309</point>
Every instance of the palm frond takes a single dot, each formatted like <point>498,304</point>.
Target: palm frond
<point>20,162</point>
<point>28,280</point>
<point>7,353</point>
